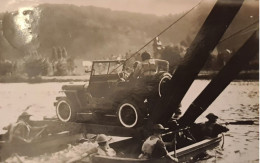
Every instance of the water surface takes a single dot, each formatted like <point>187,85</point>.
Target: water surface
<point>239,101</point>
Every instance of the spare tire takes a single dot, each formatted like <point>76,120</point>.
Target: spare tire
<point>163,79</point>
<point>129,114</point>
<point>65,110</point>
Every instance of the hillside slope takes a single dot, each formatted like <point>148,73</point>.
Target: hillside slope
<point>94,33</point>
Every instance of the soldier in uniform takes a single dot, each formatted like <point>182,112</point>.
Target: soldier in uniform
<point>147,67</point>
<point>103,146</point>
<point>154,147</point>
<point>211,128</point>
<point>22,131</point>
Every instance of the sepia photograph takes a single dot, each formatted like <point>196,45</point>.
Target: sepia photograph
<point>129,81</point>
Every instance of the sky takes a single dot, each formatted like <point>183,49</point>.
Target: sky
<point>157,7</point>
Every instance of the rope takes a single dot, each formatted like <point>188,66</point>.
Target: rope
<point>158,35</point>
<point>250,31</point>
<point>237,32</point>
<point>223,139</point>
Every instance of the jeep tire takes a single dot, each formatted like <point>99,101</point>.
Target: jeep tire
<point>129,114</point>
<point>65,110</point>
<point>163,79</point>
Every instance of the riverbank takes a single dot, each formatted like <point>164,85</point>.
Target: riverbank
<point>203,75</point>
<point>43,79</point>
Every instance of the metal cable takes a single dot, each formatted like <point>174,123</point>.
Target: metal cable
<point>158,34</point>
<point>237,32</point>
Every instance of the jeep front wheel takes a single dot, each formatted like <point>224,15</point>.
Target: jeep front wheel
<point>65,110</point>
<point>128,114</point>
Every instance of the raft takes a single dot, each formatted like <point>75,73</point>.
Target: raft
<point>183,154</point>
<point>46,144</point>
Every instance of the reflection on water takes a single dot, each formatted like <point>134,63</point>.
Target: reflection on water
<point>239,101</point>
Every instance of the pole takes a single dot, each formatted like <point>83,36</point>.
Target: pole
<point>207,38</point>
<point>222,80</point>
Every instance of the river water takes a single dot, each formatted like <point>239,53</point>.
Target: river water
<point>239,101</point>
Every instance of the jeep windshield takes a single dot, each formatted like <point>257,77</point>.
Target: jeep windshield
<point>107,67</point>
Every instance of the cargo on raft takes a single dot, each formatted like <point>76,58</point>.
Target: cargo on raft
<point>112,90</point>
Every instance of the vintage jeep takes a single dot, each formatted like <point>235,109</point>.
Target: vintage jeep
<point>110,92</point>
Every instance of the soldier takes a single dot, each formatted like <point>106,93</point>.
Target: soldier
<point>22,131</point>
<point>154,147</point>
<point>145,68</point>
<point>157,47</point>
<point>211,128</point>
<point>103,146</point>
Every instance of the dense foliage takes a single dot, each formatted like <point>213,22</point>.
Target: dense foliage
<point>36,65</point>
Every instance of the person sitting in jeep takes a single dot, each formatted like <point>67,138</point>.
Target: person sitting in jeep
<point>147,67</point>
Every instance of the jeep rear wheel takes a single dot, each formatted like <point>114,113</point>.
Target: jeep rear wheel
<point>164,78</point>
<point>128,114</point>
<point>65,110</point>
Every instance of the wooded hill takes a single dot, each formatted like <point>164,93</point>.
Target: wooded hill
<point>94,33</point>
